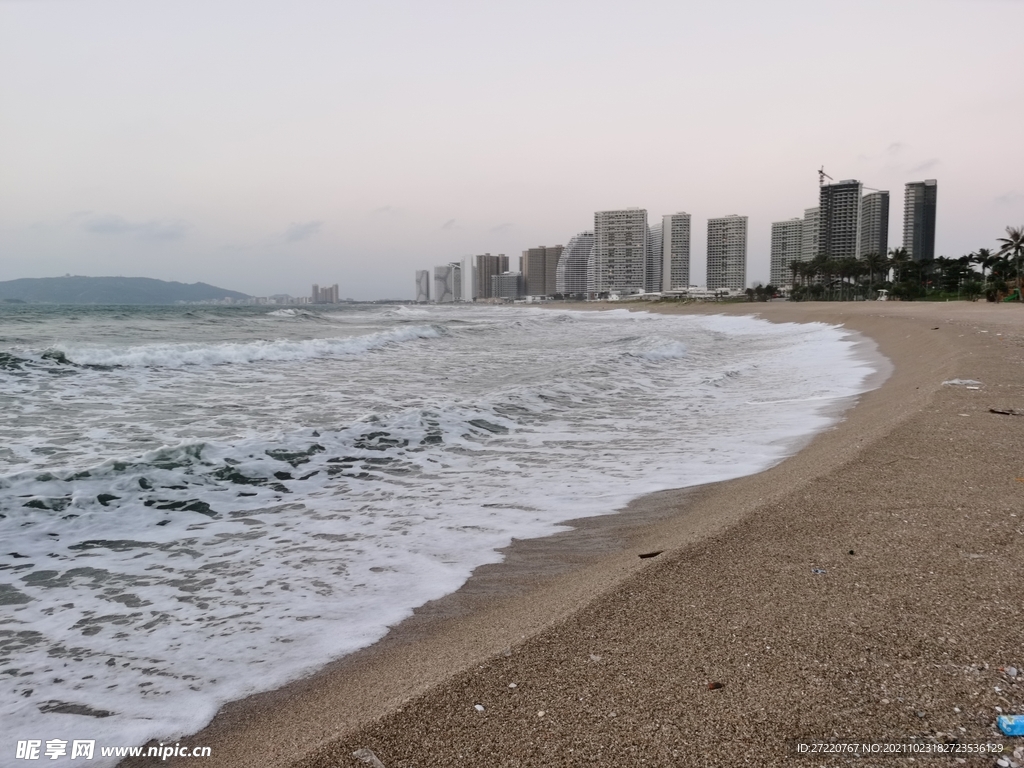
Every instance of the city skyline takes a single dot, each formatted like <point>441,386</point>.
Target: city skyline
<point>293,158</point>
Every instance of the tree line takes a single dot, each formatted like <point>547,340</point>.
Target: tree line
<point>993,273</point>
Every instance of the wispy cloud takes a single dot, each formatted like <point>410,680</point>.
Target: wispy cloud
<point>927,165</point>
<point>450,224</point>
<point>297,231</point>
<point>1013,196</point>
<point>155,229</point>
<point>502,227</point>
<point>387,211</point>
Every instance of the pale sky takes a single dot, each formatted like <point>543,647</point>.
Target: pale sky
<point>263,146</point>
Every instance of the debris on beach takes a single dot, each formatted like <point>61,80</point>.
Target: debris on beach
<point>366,756</point>
<point>1007,411</point>
<point>1011,725</point>
<point>645,555</point>
<point>478,707</point>
<point>818,571</point>
<point>715,686</point>
<point>969,383</point>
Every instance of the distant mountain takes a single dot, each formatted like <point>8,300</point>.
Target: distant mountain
<point>109,290</point>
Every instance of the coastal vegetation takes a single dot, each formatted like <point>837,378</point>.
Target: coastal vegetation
<point>995,274</point>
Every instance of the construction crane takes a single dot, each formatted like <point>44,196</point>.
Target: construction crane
<point>822,176</point>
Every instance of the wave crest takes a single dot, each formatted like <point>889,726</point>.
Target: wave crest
<point>180,355</point>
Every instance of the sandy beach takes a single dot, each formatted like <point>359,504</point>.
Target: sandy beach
<point>867,588</point>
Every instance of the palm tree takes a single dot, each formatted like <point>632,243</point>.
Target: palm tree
<point>794,267</point>
<point>984,259</point>
<point>875,262</point>
<point>1013,244</point>
<point>898,260</point>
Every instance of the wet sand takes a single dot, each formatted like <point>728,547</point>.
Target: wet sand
<point>869,587</point>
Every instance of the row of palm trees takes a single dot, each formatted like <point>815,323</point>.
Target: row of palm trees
<point>843,278</point>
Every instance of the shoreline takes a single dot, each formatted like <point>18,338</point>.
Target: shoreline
<point>513,606</point>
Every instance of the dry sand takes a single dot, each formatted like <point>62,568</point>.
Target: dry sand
<point>912,508</point>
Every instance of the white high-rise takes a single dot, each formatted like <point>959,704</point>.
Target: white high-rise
<point>787,246</point>
<point>422,285</point>
<point>655,258</point>
<point>675,251</point>
<point>620,251</point>
<point>571,275</point>
<point>727,253</point>
<point>448,283</point>
<point>809,236</point>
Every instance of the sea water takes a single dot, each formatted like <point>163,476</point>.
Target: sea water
<point>200,503</point>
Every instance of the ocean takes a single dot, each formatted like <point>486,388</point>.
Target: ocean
<point>199,503</point>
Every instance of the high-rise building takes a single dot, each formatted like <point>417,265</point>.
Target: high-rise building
<point>540,270</point>
<point>325,295</point>
<point>809,237</point>
<point>486,267</point>
<point>552,255</point>
<point>620,251</point>
<point>839,214</point>
<point>448,283</point>
<point>422,285</point>
<point>571,274</point>
<point>675,251</point>
<point>507,285</point>
<point>655,258</point>
<point>468,277</point>
<point>919,219</point>
<point>727,253</point>
<point>787,247</point>
<point>874,224</point>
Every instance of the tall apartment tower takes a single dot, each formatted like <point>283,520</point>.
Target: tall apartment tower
<point>839,215</point>
<point>919,219</point>
<point>809,242</point>
<point>571,274</point>
<point>675,251</point>
<point>620,251</point>
<point>448,283</point>
<point>422,286</point>
<point>787,247</point>
<point>540,269</point>
<point>507,285</point>
<point>874,224</point>
<point>486,267</point>
<point>655,257</point>
<point>325,295</point>
<point>727,253</point>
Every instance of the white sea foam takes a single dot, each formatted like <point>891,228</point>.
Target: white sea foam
<point>182,354</point>
<point>186,535</point>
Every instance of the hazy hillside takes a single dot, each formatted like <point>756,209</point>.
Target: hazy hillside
<point>109,290</point>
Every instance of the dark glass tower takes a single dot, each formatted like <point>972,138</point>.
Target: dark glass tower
<point>919,219</point>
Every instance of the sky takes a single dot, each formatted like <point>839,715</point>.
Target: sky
<point>264,146</point>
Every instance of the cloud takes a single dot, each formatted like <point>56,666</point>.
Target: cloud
<point>927,165</point>
<point>450,224</point>
<point>388,211</point>
<point>297,232</point>
<point>155,229</point>
<point>895,148</point>
<point>502,227</point>
<point>1012,196</point>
